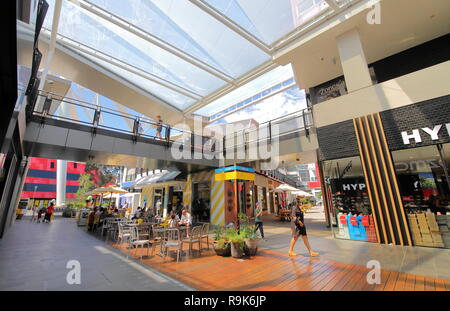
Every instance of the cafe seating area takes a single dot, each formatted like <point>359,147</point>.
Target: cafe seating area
<point>144,238</point>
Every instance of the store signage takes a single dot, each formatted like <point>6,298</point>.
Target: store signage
<point>347,187</point>
<point>328,90</point>
<point>416,134</point>
<point>417,165</point>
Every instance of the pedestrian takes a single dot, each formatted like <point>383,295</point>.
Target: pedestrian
<point>299,229</point>
<point>49,212</point>
<point>159,126</point>
<point>258,219</point>
<point>41,211</point>
<point>158,207</point>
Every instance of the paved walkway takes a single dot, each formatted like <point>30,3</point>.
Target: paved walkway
<point>33,256</point>
<point>275,271</point>
<point>425,261</point>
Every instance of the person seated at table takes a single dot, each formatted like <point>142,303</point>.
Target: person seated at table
<point>137,214</point>
<point>174,220</point>
<point>186,218</point>
<point>90,219</point>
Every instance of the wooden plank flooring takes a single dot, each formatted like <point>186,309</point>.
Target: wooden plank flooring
<point>272,270</point>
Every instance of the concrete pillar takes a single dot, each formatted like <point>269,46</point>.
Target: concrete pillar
<point>61,177</point>
<point>165,201</point>
<point>353,61</point>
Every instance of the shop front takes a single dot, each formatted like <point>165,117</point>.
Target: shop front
<point>386,175</point>
<point>349,206</point>
<point>423,178</point>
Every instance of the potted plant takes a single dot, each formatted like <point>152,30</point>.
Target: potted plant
<point>250,240</point>
<point>221,245</point>
<point>237,243</point>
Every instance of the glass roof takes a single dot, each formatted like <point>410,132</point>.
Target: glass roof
<point>248,90</point>
<point>182,51</point>
<point>288,101</point>
<point>269,20</point>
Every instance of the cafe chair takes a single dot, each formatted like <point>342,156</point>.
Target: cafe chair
<point>172,238</point>
<point>135,242</point>
<point>194,237</point>
<point>205,234</point>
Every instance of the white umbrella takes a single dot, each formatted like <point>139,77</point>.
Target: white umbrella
<point>286,187</point>
<point>105,190</point>
<point>302,193</point>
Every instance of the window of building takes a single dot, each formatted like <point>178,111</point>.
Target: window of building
<point>423,179</point>
<point>52,164</point>
<point>74,165</point>
<point>348,202</point>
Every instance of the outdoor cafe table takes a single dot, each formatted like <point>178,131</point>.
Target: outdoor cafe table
<point>162,230</point>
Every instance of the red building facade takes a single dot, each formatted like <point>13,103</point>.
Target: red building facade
<point>40,182</point>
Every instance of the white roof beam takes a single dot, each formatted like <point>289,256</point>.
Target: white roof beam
<point>51,48</point>
<point>232,25</point>
<point>120,22</point>
<point>333,4</point>
<point>264,68</point>
<point>75,45</point>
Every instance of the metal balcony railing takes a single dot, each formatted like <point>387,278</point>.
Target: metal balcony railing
<point>53,106</point>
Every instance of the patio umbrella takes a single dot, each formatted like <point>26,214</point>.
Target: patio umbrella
<point>286,187</point>
<point>105,190</point>
<point>302,193</point>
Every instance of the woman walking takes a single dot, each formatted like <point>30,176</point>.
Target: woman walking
<point>298,228</point>
<point>258,219</point>
<point>49,213</point>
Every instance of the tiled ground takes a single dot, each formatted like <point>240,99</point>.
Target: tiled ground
<point>433,262</point>
<point>33,256</point>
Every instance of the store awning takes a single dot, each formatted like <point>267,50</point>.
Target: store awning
<point>157,178</point>
<point>168,177</point>
<point>128,184</point>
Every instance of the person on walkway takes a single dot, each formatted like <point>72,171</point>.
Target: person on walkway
<point>49,212</point>
<point>158,207</point>
<point>299,229</point>
<point>41,211</point>
<point>258,219</point>
<point>159,126</point>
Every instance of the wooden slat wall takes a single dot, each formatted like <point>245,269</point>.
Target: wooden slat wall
<point>381,181</point>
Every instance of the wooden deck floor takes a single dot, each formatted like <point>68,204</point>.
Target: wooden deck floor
<point>275,271</point>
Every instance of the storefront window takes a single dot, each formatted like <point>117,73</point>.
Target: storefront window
<point>348,201</point>
<point>422,174</point>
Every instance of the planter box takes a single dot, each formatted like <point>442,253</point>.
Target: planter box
<point>251,247</point>
<point>236,250</point>
<point>225,252</point>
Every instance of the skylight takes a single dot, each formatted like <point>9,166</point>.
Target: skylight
<point>186,52</point>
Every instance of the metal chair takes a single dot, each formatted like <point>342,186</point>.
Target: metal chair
<point>135,242</point>
<point>123,233</point>
<point>157,237</point>
<point>205,234</point>
<point>172,238</point>
<point>194,237</point>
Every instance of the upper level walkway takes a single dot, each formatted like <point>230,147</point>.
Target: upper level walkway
<point>64,128</point>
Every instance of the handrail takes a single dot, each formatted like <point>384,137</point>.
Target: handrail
<point>135,124</point>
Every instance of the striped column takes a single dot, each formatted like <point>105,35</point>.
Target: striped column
<point>147,194</point>
<point>187,193</point>
<point>217,202</point>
